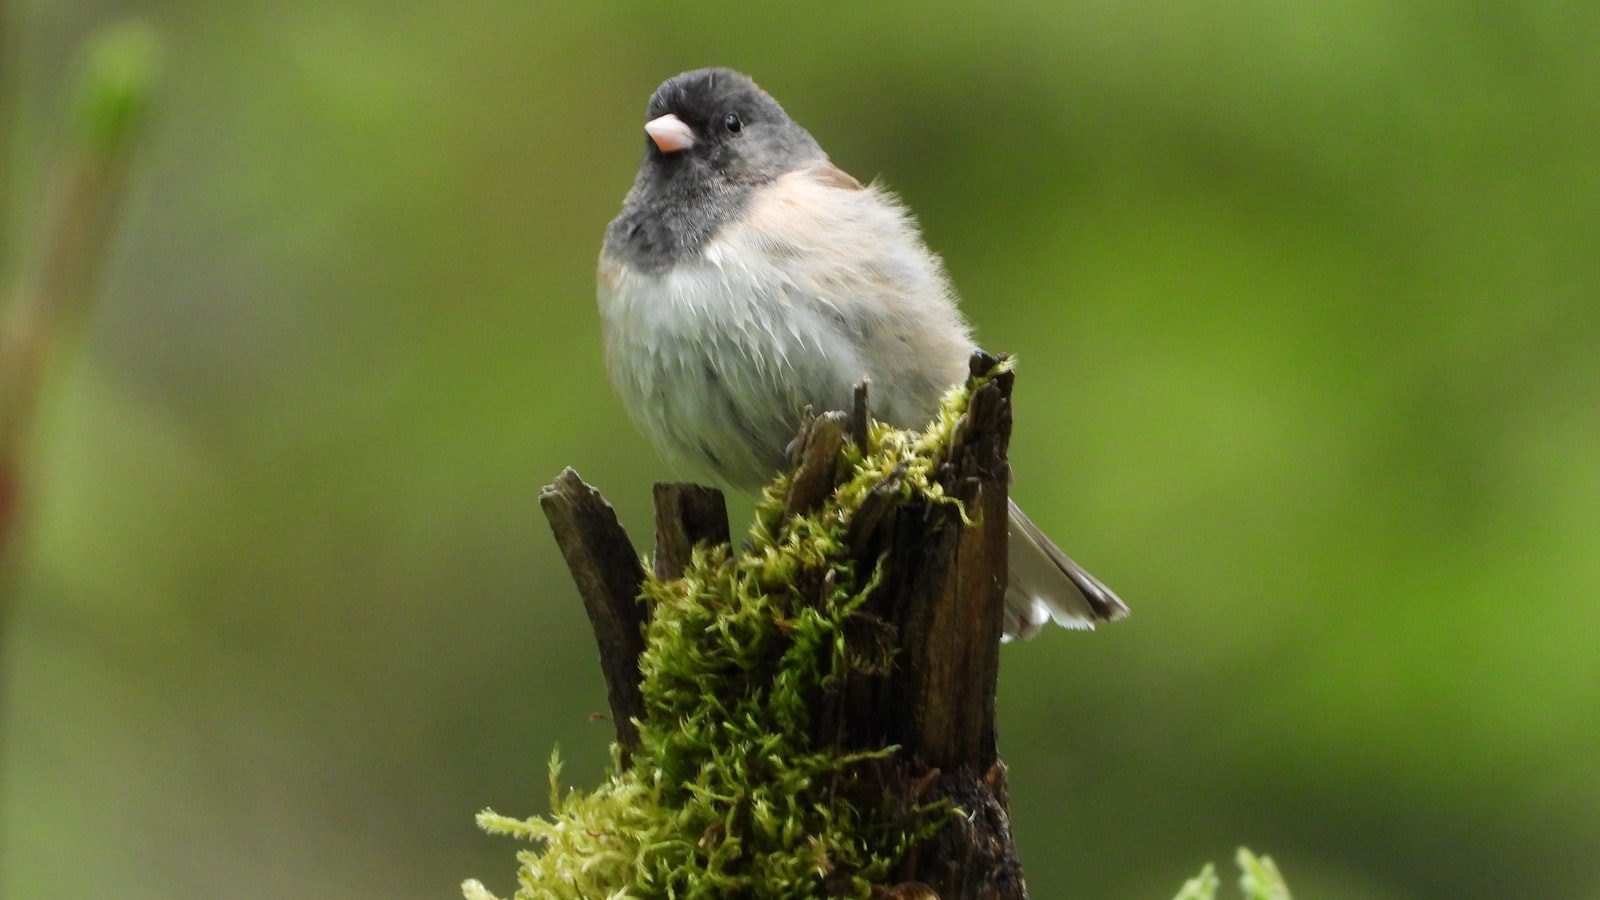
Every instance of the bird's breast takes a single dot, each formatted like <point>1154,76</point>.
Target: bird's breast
<point>814,288</point>
<point>717,357</point>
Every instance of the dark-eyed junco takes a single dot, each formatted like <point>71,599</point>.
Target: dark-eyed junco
<point>748,279</point>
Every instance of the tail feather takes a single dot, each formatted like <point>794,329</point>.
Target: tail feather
<point>1046,584</point>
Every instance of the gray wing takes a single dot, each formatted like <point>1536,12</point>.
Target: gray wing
<point>1046,584</point>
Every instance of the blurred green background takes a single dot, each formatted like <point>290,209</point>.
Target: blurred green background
<point>1307,298</point>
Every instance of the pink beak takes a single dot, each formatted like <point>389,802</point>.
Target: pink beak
<point>670,133</point>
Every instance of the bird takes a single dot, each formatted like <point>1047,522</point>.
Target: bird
<point>748,280</point>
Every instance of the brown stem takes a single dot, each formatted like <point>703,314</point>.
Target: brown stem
<point>73,247</point>
<point>952,636</point>
<point>608,575</point>
<point>686,515</point>
<point>941,595</point>
<point>117,69</point>
<point>860,415</point>
<point>819,450</point>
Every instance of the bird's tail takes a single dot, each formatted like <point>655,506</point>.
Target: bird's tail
<point>1045,584</point>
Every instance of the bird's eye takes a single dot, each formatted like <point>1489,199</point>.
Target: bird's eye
<point>732,123</point>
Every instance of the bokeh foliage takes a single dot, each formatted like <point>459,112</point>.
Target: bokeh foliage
<point>1306,302</point>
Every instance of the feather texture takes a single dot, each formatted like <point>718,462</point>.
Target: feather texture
<point>818,284</point>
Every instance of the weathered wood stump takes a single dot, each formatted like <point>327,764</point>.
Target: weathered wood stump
<point>938,604</point>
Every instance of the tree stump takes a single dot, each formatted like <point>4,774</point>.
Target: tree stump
<point>938,604</point>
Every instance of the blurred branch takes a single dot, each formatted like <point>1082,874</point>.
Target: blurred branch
<point>116,72</point>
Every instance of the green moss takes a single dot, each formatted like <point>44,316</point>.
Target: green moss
<point>728,795</point>
<point>1260,880</point>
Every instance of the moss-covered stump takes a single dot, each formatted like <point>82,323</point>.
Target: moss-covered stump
<point>811,715</point>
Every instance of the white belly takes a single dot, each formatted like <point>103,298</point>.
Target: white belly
<point>718,359</point>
